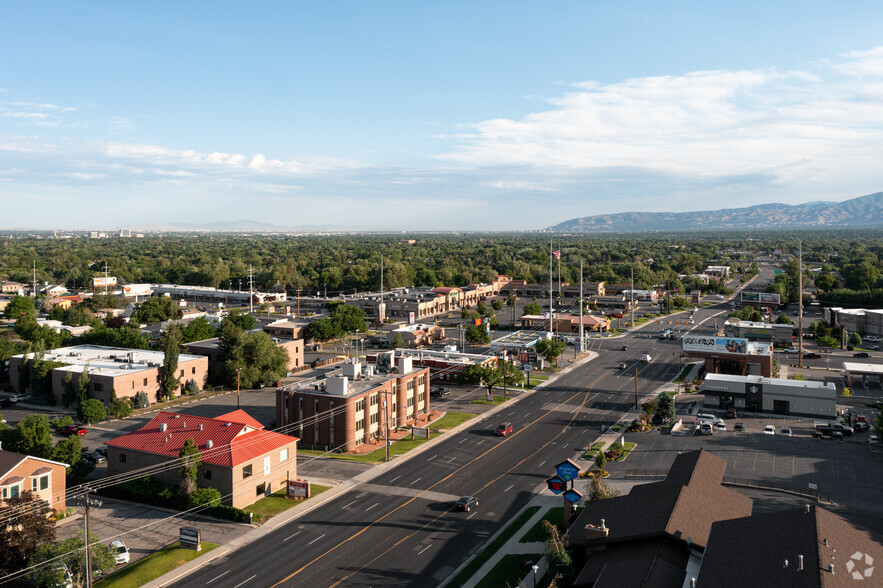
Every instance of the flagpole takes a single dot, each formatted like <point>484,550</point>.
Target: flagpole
<point>551,330</point>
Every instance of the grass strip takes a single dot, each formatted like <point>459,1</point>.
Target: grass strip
<point>479,560</point>
<point>483,400</point>
<point>590,454</point>
<point>153,566</point>
<point>554,515</point>
<point>278,502</point>
<point>684,373</point>
<point>508,571</point>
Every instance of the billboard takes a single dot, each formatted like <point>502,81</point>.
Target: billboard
<point>761,298</point>
<point>299,488</point>
<point>136,290</point>
<point>102,282</point>
<point>725,345</point>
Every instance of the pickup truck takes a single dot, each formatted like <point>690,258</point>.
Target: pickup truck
<point>835,427</point>
<point>72,430</point>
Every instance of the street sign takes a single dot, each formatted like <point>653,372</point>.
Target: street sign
<point>189,539</point>
<point>527,367</point>
<point>573,496</point>
<point>567,470</point>
<point>813,486</point>
<point>556,484</point>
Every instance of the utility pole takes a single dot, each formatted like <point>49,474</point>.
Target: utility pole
<point>636,388</point>
<point>632,299</point>
<point>250,290</point>
<point>88,545</point>
<point>298,302</point>
<point>551,329</point>
<point>581,332</point>
<point>386,414</point>
<point>34,289</point>
<point>800,306</point>
<point>237,387</point>
<point>105,278</point>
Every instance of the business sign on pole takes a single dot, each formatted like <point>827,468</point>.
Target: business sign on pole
<point>102,282</point>
<point>299,488</point>
<point>723,345</point>
<point>770,298</point>
<point>556,484</point>
<point>410,318</point>
<point>190,539</point>
<point>136,289</point>
<point>567,470</point>
<point>573,496</point>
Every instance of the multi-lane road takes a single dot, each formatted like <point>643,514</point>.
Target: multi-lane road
<point>400,529</point>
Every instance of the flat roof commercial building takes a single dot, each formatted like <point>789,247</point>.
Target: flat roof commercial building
<point>114,369</point>
<point>208,295</point>
<point>857,320</point>
<point>358,406</point>
<point>730,354</point>
<point>443,365</point>
<point>802,398</point>
<point>779,335</point>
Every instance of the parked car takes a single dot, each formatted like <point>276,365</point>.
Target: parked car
<point>72,430</point>
<point>860,418</point>
<point>440,392</point>
<point>834,428</point>
<point>769,430</point>
<point>720,426</point>
<point>624,348</point>
<point>861,426</point>
<point>622,365</point>
<point>121,552</point>
<point>739,427</point>
<point>503,429</point>
<point>811,355</point>
<point>789,350</point>
<point>861,354</point>
<point>94,457</point>
<point>16,398</point>
<point>646,358</point>
<point>786,431</point>
<point>705,428</point>
<point>817,435</point>
<point>466,503</point>
<point>101,451</point>
<point>837,436</point>
<point>873,439</point>
<point>731,413</point>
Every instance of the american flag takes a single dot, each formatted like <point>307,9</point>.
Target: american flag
<point>557,254</point>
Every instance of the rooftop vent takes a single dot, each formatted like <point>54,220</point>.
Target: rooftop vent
<point>163,427</point>
<point>200,427</point>
<point>228,424</point>
<point>177,416</point>
<point>799,563</point>
<point>831,569</point>
<point>209,444</point>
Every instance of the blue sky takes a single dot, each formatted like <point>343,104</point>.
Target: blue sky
<point>431,115</point>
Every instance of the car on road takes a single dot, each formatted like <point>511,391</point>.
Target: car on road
<point>837,436</point>
<point>835,428</point>
<point>817,435</point>
<point>739,427</point>
<point>769,430</point>
<point>861,426</point>
<point>789,350</point>
<point>646,358</point>
<point>622,365</point>
<point>120,551</point>
<point>624,348</point>
<point>811,355</point>
<point>705,428</point>
<point>861,354</point>
<point>873,439</point>
<point>874,347</point>
<point>503,429</point>
<point>720,426</point>
<point>440,392</point>
<point>731,413</point>
<point>786,431</point>
<point>94,457</point>
<point>16,398</point>
<point>72,430</point>
<point>466,503</point>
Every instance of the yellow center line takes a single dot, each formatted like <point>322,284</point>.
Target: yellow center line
<point>478,457</point>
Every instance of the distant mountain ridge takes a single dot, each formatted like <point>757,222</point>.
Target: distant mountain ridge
<point>864,211</point>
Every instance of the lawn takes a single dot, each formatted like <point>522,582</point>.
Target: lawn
<point>684,373</point>
<point>272,505</point>
<point>508,571</point>
<point>153,566</point>
<point>449,421</point>
<point>483,400</point>
<point>626,449</point>
<point>488,552</point>
<point>555,516</point>
<point>590,454</point>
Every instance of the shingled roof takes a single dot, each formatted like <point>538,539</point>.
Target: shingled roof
<point>227,440</point>
<point>764,549</point>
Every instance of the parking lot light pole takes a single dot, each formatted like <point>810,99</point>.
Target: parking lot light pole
<point>237,387</point>
<point>535,569</point>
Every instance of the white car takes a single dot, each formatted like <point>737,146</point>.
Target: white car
<point>720,426</point>
<point>646,358</point>
<point>873,439</point>
<point>705,428</point>
<point>122,552</point>
<point>789,350</point>
<point>786,431</point>
<point>769,430</point>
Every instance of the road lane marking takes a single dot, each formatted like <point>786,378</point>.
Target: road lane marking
<point>415,481</point>
<point>433,457</point>
<point>541,463</point>
<point>372,506</point>
<point>396,478</point>
<point>218,577</point>
<point>509,488</point>
<point>290,536</point>
<point>452,459</point>
<point>463,441</point>
<point>472,515</point>
<point>565,445</point>
<point>424,549</point>
<point>349,505</point>
<point>245,582</point>
<point>316,539</point>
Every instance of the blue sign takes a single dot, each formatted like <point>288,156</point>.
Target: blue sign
<point>573,496</point>
<point>567,470</point>
<point>556,484</point>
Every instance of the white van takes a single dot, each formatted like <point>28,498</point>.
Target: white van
<point>705,428</point>
<point>708,418</point>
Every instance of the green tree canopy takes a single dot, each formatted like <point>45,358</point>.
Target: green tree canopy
<point>91,410</point>
<point>170,367</point>
<point>154,310</point>
<point>33,436</point>
<point>198,330</point>
<point>26,526</point>
<point>71,553</point>
<point>191,459</point>
<point>477,334</point>
<point>532,308</point>
<point>258,359</point>
<point>18,307</point>
<point>550,349</point>
<point>69,451</point>
<point>322,329</point>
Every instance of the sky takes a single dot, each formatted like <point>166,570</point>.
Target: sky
<point>431,115</point>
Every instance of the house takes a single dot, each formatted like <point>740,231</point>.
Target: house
<point>417,334</point>
<point>15,288</point>
<point>656,533</point>
<point>43,477</point>
<point>240,459</point>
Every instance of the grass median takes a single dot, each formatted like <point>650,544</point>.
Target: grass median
<point>278,502</point>
<point>479,560</point>
<point>508,571</point>
<point>153,566</point>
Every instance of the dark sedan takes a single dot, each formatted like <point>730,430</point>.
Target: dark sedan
<point>466,503</point>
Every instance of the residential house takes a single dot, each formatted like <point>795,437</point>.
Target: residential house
<point>43,477</point>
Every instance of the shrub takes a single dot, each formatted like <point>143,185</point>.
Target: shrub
<point>141,400</point>
<point>91,411</point>
<point>120,408</point>
<point>222,511</point>
<point>62,422</point>
<point>204,496</point>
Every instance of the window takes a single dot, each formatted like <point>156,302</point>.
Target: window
<point>193,370</point>
<point>44,482</point>
<point>246,471</point>
<point>133,384</point>
<point>360,424</point>
<point>182,373</point>
<point>14,491</point>
<point>207,475</point>
<point>373,419</point>
<point>260,489</point>
<point>122,458</point>
<point>410,401</point>
<point>35,484</point>
<point>283,455</point>
<point>99,387</point>
<point>374,399</point>
<point>360,405</point>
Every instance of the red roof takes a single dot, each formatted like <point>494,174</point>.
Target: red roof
<point>444,290</point>
<point>232,442</point>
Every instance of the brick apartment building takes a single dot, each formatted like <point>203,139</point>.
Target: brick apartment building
<point>114,369</point>
<point>348,410</point>
<point>43,477</point>
<point>239,458</point>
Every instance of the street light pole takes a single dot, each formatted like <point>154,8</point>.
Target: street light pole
<point>237,387</point>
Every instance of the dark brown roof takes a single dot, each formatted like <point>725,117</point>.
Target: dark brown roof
<point>655,563</point>
<point>8,460</point>
<point>752,551</point>
<point>683,506</point>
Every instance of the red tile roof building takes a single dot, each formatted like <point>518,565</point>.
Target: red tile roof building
<point>240,458</point>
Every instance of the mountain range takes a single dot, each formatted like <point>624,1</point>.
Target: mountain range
<point>864,211</point>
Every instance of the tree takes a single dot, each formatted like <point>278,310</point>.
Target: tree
<point>198,330</point>
<point>827,341</point>
<point>510,301</point>
<point>170,380</point>
<point>91,410</point>
<point>141,400</point>
<point>322,329</point>
<point>397,342</point>
<point>33,436</point>
<point>598,489</point>
<point>349,319</point>
<point>191,459</point>
<point>496,304</point>
<point>600,460</point>
<point>477,334</point>
<point>154,310</point>
<point>61,422</point>
<point>855,339</point>
<point>71,553</point>
<point>69,451</point>
<point>783,319</point>
<point>490,376</point>
<point>18,307</point>
<point>665,411</point>
<point>257,359</point>
<point>204,497</point>
<point>119,408</point>
<point>192,387</point>
<point>550,349</point>
<point>532,308</point>
<point>25,526</point>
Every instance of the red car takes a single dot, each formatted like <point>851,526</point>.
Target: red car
<point>503,429</point>
<point>72,430</point>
